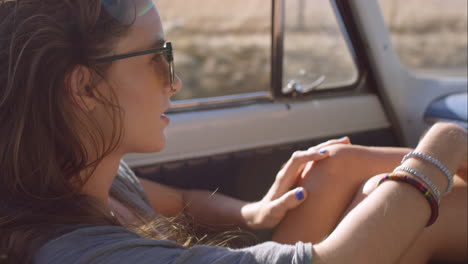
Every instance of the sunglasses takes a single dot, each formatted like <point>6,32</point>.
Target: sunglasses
<point>166,49</point>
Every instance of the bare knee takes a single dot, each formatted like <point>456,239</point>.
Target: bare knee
<point>341,166</point>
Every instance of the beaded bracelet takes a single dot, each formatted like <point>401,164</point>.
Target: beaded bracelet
<point>423,178</point>
<point>423,189</point>
<point>437,163</point>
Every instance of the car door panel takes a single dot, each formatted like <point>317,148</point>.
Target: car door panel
<point>205,133</point>
<point>405,95</point>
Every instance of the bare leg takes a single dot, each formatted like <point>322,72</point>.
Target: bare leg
<point>447,239</point>
<point>331,185</point>
<point>334,182</point>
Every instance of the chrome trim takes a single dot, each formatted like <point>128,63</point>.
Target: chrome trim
<point>293,86</point>
<point>220,101</point>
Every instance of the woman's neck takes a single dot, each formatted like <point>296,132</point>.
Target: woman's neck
<point>100,181</point>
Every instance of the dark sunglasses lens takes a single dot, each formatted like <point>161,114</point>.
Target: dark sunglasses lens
<point>171,75</point>
<point>170,60</point>
<point>168,46</point>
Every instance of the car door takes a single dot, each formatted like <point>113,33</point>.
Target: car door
<point>418,55</point>
<point>319,85</point>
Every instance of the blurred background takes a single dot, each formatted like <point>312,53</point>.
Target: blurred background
<point>223,47</point>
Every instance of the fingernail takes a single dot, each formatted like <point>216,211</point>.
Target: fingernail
<point>300,194</point>
<point>323,152</point>
<point>343,138</point>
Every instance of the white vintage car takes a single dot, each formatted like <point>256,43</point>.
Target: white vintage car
<point>264,78</point>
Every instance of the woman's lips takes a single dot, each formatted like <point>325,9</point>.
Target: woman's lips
<point>165,119</point>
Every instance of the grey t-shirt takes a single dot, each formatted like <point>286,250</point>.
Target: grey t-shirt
<point>112,244</point>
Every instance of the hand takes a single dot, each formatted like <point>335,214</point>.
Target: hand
<point>269,212</point>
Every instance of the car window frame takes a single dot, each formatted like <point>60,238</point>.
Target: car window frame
<point>354,44</point>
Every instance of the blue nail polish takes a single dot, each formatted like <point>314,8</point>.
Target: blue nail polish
<point>300,195</point>
<point>323,151</point>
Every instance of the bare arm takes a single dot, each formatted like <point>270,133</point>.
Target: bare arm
<point>217,210</point>
<point>206,207</point>
<point>223,212</point>
<point>165,200</point>
<point>384,225</point>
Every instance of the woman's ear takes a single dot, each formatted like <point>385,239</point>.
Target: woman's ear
<point>80,90</point>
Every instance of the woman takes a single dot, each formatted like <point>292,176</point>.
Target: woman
<point>85,82</point>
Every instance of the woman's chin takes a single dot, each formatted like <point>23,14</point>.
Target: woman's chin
<point>156,147</point>
<point>149,147</point>
<point>152,142</point>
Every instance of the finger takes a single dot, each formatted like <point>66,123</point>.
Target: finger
<point>291,171</point>
<point>343,140</point>
<point>305,173</point>
<point>300,158</point>
<point>289,200</point>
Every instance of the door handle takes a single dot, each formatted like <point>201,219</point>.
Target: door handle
<point>294,86</point>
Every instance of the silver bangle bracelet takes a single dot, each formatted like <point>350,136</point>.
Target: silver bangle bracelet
<point>423,178</point>
<point>437,163</point>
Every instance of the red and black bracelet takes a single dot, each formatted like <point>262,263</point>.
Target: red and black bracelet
<point>421,187</point>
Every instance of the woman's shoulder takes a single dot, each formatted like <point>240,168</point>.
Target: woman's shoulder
<point>113,244</point>
<point>89,244</point>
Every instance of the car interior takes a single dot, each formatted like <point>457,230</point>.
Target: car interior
<point>235,142</point>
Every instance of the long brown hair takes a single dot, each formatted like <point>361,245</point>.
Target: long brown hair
<point>41,148</point>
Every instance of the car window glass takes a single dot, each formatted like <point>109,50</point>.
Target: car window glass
<point>430,36</point>
<point>315,48</point>
<point>220,47</point>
